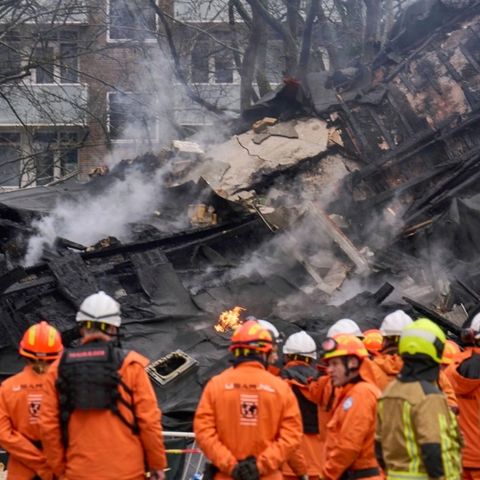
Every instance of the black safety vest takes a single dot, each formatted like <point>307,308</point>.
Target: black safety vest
<point>308,409</point>
<point>88,379</point>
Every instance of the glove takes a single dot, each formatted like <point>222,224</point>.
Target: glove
<point>246,470</point>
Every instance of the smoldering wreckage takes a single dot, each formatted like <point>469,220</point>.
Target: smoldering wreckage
<point>351,194</point>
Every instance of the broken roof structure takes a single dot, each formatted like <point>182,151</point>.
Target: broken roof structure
<point>303,219</point>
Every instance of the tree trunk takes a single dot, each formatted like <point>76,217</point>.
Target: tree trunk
<point>371,27</point>
<point>290,44</point>
<point>307,39</point>
<point>328,38</point>
<point>262,79</point>
<point>248,69</point>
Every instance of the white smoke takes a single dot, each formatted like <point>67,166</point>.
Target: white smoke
<point>87,221</point>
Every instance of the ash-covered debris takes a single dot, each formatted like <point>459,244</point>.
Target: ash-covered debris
<point>351,195</point>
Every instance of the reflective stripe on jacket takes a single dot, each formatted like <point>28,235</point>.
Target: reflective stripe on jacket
<point>417,435</point>
<point>388,366</point>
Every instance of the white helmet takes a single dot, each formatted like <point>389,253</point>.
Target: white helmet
<point>394,323</point>
<point>300,343</point>
<point>271,328</point>
<point>475,326</point>
<point>345,325</point>
<point>101,308</point>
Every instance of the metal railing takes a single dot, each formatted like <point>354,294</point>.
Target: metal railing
<point>192,465</point>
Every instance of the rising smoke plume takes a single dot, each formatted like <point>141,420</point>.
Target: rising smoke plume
<point>86,221</point>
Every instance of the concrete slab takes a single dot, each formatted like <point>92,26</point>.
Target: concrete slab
<point>247,158</point>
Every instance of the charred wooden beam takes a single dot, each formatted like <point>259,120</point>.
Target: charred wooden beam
<point>331,228</point>
<point>434,194</point>
<point>383,292</point>
<point>403,187</point>
<point>434,316</point>
<point>381,126</point>
<point>433,136</point>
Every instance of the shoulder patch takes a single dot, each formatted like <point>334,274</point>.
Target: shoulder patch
<point>347,404</point>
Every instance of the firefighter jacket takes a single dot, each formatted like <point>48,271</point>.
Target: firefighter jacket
<point>247,411</point>
<point>20,401</point>
<point>349,445</point>
<point>464,375</point>
<point>98,441</point>
<point>306,459</point>
<point>417,435</point>
<point>388,366</point>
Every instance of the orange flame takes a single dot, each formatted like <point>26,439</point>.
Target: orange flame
<point>229,320</point>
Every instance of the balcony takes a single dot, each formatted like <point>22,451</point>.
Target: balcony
<point>46,12</point>
<point>225,96</point>
<point>43,105</point>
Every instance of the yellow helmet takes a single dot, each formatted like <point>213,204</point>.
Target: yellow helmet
<point>423,337</point>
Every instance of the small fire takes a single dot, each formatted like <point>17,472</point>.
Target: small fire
<point>229,320</point>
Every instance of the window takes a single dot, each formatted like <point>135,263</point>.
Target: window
<point>10,63</point>
<point>68,63</point>
<point>56,61</point>
<point>224,67</point>
<point>10,159</point>
<point>44,61</point>
<point>131,20</point>
<point>131,116</point>
<point>55,156</point>
<point>200,63</point>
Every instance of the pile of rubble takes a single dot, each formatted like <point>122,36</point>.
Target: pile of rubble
<point>350,195</point>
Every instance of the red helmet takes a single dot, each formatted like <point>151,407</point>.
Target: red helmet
<point>343,345</point>
<point>373,340</point>
<point>451,349</point>
<point>41,342</point>
<point>253,336</point>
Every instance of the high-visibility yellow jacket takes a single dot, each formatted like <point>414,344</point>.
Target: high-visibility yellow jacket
<point>417,436</point>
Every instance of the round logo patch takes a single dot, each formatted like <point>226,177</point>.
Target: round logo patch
<point>347,404</point>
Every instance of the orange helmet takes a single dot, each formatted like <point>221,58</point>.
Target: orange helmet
<point>343,345</point>
<point>451,349</point>
<point>41,342</point>
<point>253,336</point>
<point>373,340</point>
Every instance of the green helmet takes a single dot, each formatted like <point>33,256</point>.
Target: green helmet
<point>423,337</point>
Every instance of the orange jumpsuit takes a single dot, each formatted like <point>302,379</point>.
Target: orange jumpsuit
<point>351,431</point>
<point>20,400</point>
<point>468,395</point>
<point>306,459</point>
<point>247,411</point>
<point>388,366</point>
<point>101,446</point>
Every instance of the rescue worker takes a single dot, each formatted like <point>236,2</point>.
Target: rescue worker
<point>464,375</point>
<point>452,349</point>
<point>20,403</point>
<point>299,352</point>
<point>373,341</point>
<point>248,421</point>
<point>349,447</point>
<point>345,325</point>
<point>417,435</point>
<point>272,357</point>
<point>388,364</point>
<point>388,361</point>
<point>99,417</point>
